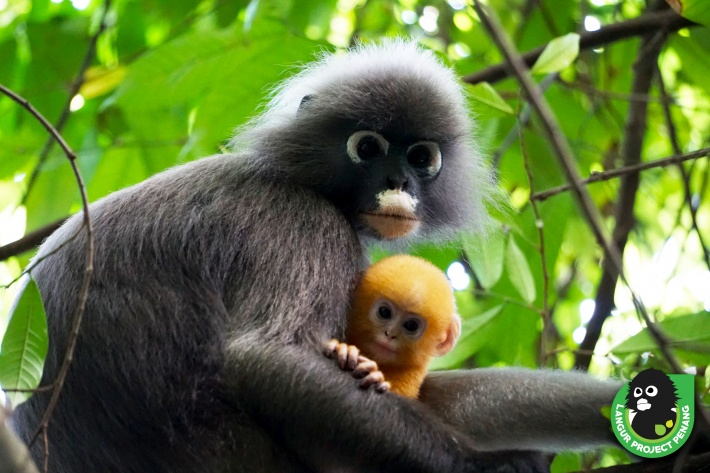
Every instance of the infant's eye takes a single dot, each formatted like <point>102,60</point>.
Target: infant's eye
<point>384,312</point>
<point>411,326</point>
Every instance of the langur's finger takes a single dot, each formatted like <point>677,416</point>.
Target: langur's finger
<point>372,379</point>
<point>364,368</point>
<point>353,354</point>
<point>330,348</point>
<point>342,355</point>
<point>362,358</point>
<point>383,387</point>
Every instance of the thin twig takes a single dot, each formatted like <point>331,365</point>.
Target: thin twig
<point>685,175</point>
<point>88,270</point>
<point>521,122</point>
<point>74,88</point>
<point>564,154</point>
<point>29,241</point>
<point>647,23</point>
<point>539,224</point>
<point>622,171</point>
<point>37,260</point>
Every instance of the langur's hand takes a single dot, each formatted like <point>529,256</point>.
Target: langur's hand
<point>348,358</point>
<point>370,374</point>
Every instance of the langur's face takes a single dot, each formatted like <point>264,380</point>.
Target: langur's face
<point>394,172</point>
<point>379,156</point>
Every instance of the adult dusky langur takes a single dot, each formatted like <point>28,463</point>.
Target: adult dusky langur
<point>218,282</point>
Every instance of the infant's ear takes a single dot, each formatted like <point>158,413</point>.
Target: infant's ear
<point>452,334</point>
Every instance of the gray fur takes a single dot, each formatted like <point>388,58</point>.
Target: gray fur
<point>217,282</point>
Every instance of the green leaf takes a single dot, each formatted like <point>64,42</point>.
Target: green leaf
<point>519,272</point>
<point>485,93</point>
<point>24,345</point>
<point>558,54</point>
<point>470,341</point>
<point>689,335</point>
<point>486,258</point>
<point>695,10</point>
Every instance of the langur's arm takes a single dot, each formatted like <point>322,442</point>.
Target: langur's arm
<point>523,409</point>
<point>307,404</point>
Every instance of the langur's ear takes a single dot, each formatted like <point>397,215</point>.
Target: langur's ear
<point>452,334</point>
<point>304,102</point>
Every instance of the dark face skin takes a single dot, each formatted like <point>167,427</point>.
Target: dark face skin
<point>380,176</point>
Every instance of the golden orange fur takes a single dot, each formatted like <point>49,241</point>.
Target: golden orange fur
<point>414,286</point>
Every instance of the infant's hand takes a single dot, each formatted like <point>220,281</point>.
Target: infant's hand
<point>345,355</point>
<point>348,358</point>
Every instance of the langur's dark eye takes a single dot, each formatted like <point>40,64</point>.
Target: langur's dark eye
<point>384,312</point>
<point>411,325</point>
<point>637,391</point>
<point>425,157</point>
<point>651,391</point>
<point>369,148</point>
<point>366,145</point>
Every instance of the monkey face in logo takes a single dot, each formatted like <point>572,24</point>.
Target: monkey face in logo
<point>652,401</point>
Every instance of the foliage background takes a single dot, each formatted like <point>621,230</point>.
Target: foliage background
<point>170,79</point>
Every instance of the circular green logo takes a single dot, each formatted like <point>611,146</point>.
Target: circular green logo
<point>653,414</point>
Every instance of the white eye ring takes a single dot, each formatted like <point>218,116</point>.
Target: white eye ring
<point>651,391</point>
<point>435,154</point>
<point>357,137</point>
<point>638,392</point>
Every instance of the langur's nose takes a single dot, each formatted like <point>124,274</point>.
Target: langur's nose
<point>391,337</point>
<point>397,183</point>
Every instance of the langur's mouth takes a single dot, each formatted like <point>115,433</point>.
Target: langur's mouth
<point>383,350</point>
<point>391,222</point>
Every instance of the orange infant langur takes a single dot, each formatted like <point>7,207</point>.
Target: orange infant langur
<point>402,314</point>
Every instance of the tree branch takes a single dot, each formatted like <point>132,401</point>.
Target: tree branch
<point>634,130</point>
<point>29,241</point>
<point>668,21</point>
<point>622,171</point>
<point>14,456</point>
<point>685,176</point>
<point>73,90</point>
<point>564,155</point>
<point>88,269</point>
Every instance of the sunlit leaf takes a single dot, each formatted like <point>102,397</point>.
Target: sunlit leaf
<point>24,345</point>
<point>485,93</point>
<point>100,81</point>
<point>519,272</point>
<point>558,54</point>
<point>486,258</point>
<point>695,10</point>
<point>471,339</point>
<point>688,334</point>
